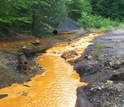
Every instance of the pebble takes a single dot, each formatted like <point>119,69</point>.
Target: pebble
<point>89,57</point>
<point>122,101</point>
<point>23,47</point>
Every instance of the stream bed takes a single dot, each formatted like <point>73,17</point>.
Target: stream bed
<point>57,86</point>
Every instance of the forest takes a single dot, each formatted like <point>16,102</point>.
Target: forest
<point>38,16</point>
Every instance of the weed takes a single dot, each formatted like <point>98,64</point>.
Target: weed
<point>99,46</point>
<point>109,83</point>
<point>1,55</point>
<point>97,54</point>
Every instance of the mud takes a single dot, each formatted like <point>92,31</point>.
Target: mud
<point>55,88</point>
<point>10,47</point>
<point>105,78</point>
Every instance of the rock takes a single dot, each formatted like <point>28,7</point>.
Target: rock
<point>34,49</point>
<point>22,62</point>
<point>123,101</point>
<point>81,99</point>
<point>3,95</point>
<point>69,54</point>
<point>117,77</point>
<point>36,42</point>
<point>119,86</point>
<point>24,47</point>
<point>89,57</point>
<point>82,102</point>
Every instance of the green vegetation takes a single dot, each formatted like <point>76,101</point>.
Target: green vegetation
<point>40,17</point>
<point>76,7</point>
<point>94,21</point>
<point>48,15</point>
<point>15,13</point>
<point>109,83</point>
<point>103,14</point>
<point>113,9</point>
<point>97,56</point>
<point>36,15</point>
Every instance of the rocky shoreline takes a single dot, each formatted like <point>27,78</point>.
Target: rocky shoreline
<point>105,77</point>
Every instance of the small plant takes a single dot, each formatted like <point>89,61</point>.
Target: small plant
<point>1,55</point>
<point>97,55</point>
<point>99,46</point>
<point>109,83</point>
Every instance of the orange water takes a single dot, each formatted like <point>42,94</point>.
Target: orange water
<point>56,88</point>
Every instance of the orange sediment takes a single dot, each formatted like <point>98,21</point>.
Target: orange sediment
<point>56,88</point>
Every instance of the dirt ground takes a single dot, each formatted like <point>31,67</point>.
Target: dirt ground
<point>102,67</point>
<point>13,43</point>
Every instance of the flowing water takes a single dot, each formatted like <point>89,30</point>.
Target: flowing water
<point>56,88</point>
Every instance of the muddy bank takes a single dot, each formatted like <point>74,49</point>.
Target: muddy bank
<point>103,70</point>
<point>9,49</point>
<point>10,72</point>
<point>57,87</point>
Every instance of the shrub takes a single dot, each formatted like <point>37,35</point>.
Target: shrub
<point>109,8</point>
<point>76,7</point>
<point>95,21</point>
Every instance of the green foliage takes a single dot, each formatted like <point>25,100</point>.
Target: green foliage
<point>113,9</point>
<point>95,21</point>
<point>99,46</point>
<point>76,7</point>
<point>109,83</point>
<point>15,12</point>
<point>97,55</point>
<point>44,15</point>
<point>47,15</point>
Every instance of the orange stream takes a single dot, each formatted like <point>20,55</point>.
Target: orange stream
<point>56,88</point>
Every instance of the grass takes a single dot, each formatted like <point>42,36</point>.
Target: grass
<point>1,55</point>
<point>97,55</point>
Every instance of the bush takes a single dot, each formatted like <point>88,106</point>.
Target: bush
<point>108,8</point>
<point>76,7</point>
<point>15,13</point>
<point>95,21</point>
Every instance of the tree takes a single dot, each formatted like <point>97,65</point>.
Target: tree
<point>15,13</point>
<point>47,15</point>
<point>109,8</point>
<point>76,7</point>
